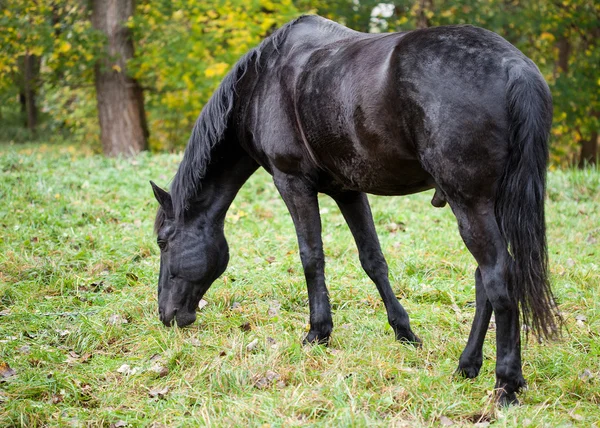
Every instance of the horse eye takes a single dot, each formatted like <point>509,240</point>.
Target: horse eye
<point>162,244</point>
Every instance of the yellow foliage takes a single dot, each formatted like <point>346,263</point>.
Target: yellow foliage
<point>63,47</point>
<point>217,69</point>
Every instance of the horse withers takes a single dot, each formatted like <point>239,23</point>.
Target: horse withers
<point>326,109</point>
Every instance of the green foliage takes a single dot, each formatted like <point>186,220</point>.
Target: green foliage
<point>61,34</point>
<point>185,47</point>
<point>78,257</point>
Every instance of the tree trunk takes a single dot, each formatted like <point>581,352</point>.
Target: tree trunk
<point>564,51</point>
<point>422,19</point>
<point>589,151</point>
<point>123,127</point>
<point>30,71</point>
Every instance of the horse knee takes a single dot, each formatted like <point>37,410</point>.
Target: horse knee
<point>373,263</point>
<point>312,262</point>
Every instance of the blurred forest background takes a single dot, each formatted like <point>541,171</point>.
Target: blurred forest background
<point>124,76</point>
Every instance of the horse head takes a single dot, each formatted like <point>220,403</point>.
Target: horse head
<point>193,254</point>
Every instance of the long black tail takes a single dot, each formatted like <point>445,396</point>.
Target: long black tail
<point>520,199</point>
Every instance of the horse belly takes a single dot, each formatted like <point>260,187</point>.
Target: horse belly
<point>385,175</point>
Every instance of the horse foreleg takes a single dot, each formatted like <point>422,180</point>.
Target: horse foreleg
<point>357,212</point>
<point>471,358</point>
<point>300,198</point>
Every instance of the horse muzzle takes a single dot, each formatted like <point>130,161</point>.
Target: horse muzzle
<point>180,316</point>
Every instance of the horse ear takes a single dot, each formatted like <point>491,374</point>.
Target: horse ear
<point>163,198</point>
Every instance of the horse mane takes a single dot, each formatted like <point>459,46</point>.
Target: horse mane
<point>211,125</point>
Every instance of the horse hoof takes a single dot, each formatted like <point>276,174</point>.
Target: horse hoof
<point>468,372</point>
<point>409,338</point>
<point>505,399</point>
<point>314,338</point>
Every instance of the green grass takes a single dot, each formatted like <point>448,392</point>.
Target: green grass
<point>76,248</point>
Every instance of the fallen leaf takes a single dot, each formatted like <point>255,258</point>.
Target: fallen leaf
<point>72,358</point>
<point>6,371</point>
<point>575,416</point>
<point>274,308</point>
<point>155,357</point>
<point>159,369</point>
<point>127,370</point>
<point>119,424</point>
<point>586,375</point>
<point>236,306</point>
<point>270,259</point>
<point>117,319</point>
<point>158,392</point>
<point>446,421</point>
<point>195,342</point>
<point>252,345</point>
<point>4,312</point>
<point>25,349</point>
<point>271,375</point>
<point>246,326</point>
<point>268,379</point>
<point>395,227</point>
<point>124,368</point>
<point>202,304</point>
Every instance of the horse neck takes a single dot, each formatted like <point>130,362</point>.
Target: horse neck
<point>224,178</point>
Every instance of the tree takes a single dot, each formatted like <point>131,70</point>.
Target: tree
<point>123,128</point>
<point>28,81</point>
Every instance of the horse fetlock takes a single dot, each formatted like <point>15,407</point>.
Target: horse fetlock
<point>507,389</point>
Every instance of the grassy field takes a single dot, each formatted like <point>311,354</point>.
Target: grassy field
<point>79,330</point>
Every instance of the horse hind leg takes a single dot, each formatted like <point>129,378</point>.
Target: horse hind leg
<point>481,234</point>
<point>471,358</point>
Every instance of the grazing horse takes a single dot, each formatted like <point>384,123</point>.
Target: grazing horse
<point>326,109</point>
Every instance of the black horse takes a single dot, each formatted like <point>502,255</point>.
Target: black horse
<point>326,109</point>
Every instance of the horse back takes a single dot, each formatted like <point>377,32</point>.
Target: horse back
<point>374,112</point>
